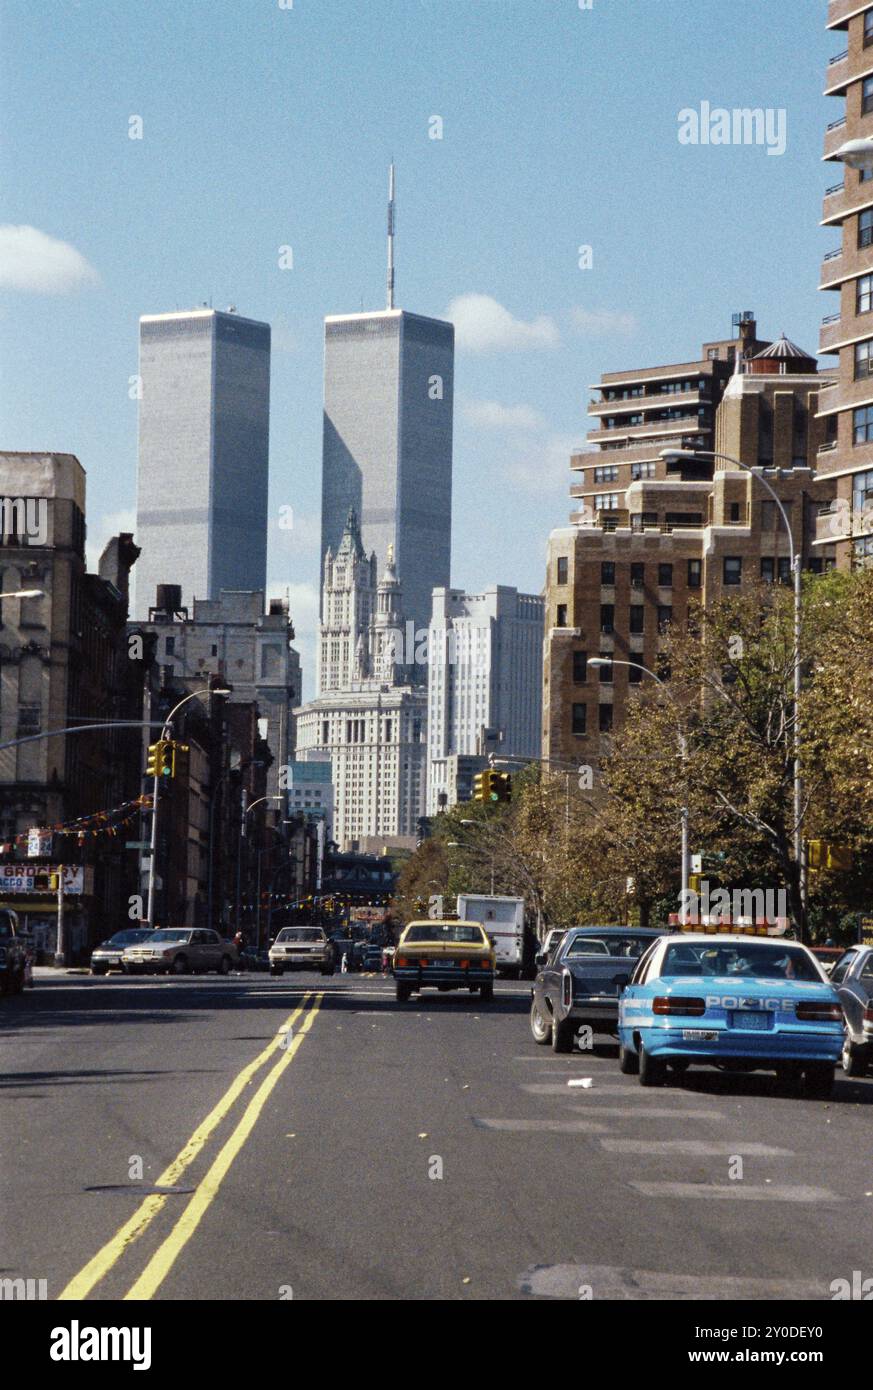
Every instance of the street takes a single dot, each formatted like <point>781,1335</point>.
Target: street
<point>321,1141</point>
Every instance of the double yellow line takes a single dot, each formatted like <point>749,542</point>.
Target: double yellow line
<point>168,1252</point>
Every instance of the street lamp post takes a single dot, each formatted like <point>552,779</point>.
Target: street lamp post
<point>796,561</point>
<point>167,733</point>
<point>598,661</point>
<point>242,834</point>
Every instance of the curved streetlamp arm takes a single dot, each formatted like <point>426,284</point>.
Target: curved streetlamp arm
<point>84,728</point>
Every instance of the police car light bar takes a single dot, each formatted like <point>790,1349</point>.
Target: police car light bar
<point>710,926</point>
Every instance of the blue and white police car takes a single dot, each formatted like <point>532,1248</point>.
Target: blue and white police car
<point>734,999</point>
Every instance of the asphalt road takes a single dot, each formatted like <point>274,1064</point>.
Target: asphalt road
<point>311,1138</point>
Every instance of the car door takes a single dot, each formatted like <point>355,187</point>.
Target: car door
<point>841,978</point>
<point>213,949</point>
<point>199,951</point>
<point>631,992</point>
<point>550,981</point>
<point>858,985</point>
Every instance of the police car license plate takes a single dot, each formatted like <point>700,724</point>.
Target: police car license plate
<point>757,1021</point>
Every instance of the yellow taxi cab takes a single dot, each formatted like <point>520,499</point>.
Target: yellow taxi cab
<point>445,955</point>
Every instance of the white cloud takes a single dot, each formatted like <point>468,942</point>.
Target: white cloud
<point>604,323</point>
<point>483,325</point>
<point>544,466</point>
<point>32,260</point>
<point>491,415</point>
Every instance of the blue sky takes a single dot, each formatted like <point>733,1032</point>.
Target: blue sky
<point>266,126</point>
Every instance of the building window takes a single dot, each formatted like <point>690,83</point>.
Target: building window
<point>28,719</point>
<point>605,719</point>
<point>695,574</point>
<point>561,615</point>
<point>325,732</point>
<point>665,576</point>
<point>214,650</point>
<point>864,294</point>
<point>170,645</point>
<point>862,424</point>
<point>868,28</point>
<point>712,354</point>
<point>865,227</point>
<point>862,491</point>
<point>867,96</point>
<point>735,511</point>
<point>606,474</point>
<point>665,616</point>
<point>606,671</point>
<point>864,358</point>
<point>607,617</point>
<point>606,501</point>
<point>732,570</point>
<point>635,675</point>
<point>637,575</point>
<point>563,569</point>
<point>637,619</point>
<point>580,668</point>
<point>768,569</point>
<point>607,572</point>
<point>642,470</point>
<point>579,718</point>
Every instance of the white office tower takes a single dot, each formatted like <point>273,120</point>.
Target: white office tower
<point>204,427</point>
<point>387,444</point>
<point>484,687</point>
<point>368,719</point>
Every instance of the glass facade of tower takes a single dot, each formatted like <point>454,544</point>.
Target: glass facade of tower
<point>203,454</point>
<point>387,451</point>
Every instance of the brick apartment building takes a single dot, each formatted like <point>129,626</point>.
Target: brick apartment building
<point>847,270</point>
<point>668,534</point>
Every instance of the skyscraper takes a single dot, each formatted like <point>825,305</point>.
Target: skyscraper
<point>203,454</point>
<point>387,444</point>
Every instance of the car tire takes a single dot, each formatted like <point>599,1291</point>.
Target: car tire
<point>818,1079</point>
<point>180,965</point>
<point>540,1027</point>
<point>327,970</point>
<point>18,982</point>
<point>225,965</point>
<point>562,1035</point>
<point>275,970</point>
<point>628,1062</point>
<point>653,1072</point>
<point>486,993</point>
<point>402,992</point>
<point>853,1061</point>
<point>99,970</point>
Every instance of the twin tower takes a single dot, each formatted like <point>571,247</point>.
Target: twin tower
<point>202,501</point>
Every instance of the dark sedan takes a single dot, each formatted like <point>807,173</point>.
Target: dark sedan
<point>107,956</point>
<point>852,978</point>
<point>580,981</point>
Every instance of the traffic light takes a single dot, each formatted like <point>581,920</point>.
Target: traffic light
<point>154,758</point>
<point>167,759</point>
<point>502,783</point>
<point>821,854</point>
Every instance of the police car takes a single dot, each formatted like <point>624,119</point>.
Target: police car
<point>731,998</point>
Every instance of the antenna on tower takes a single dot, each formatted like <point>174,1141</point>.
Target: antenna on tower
<point>391,235</point>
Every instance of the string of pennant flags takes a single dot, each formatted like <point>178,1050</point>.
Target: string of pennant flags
<point>87,827</point>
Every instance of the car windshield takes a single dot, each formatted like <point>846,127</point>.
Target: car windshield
<point>299,934</point>
<point>124,938</point>
<point>627,947</point>
<point>761,960</point>
<point>447,932</point>
<point>167,935</point>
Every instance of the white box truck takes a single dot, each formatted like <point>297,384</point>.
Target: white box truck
<point>503,920</point>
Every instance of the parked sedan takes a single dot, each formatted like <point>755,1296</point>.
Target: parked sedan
<point>302,948</point>
<point>180,951</point>
<point>852,977</point>
<point>580,980</point>
<point>108,955</point>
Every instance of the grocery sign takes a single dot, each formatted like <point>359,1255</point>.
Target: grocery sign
<point>22,878</point>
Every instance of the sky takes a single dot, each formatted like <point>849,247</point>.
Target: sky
<point>270,123</point>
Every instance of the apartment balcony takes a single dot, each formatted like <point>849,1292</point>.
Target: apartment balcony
<point>841,11</point>
<point>646,431</point>
<point>833,207</point>
<point>835,135</point>
<point>830,277</point>
<point>837,77</point>
<point>830,333</point>
<point>658,400</point>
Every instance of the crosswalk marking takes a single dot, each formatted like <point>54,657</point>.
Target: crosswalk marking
<point>540,1126</point>
<point>738,1191</point>
<point>633,1112</point>
<point>694,1148</point>
<point>620,1282</point>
